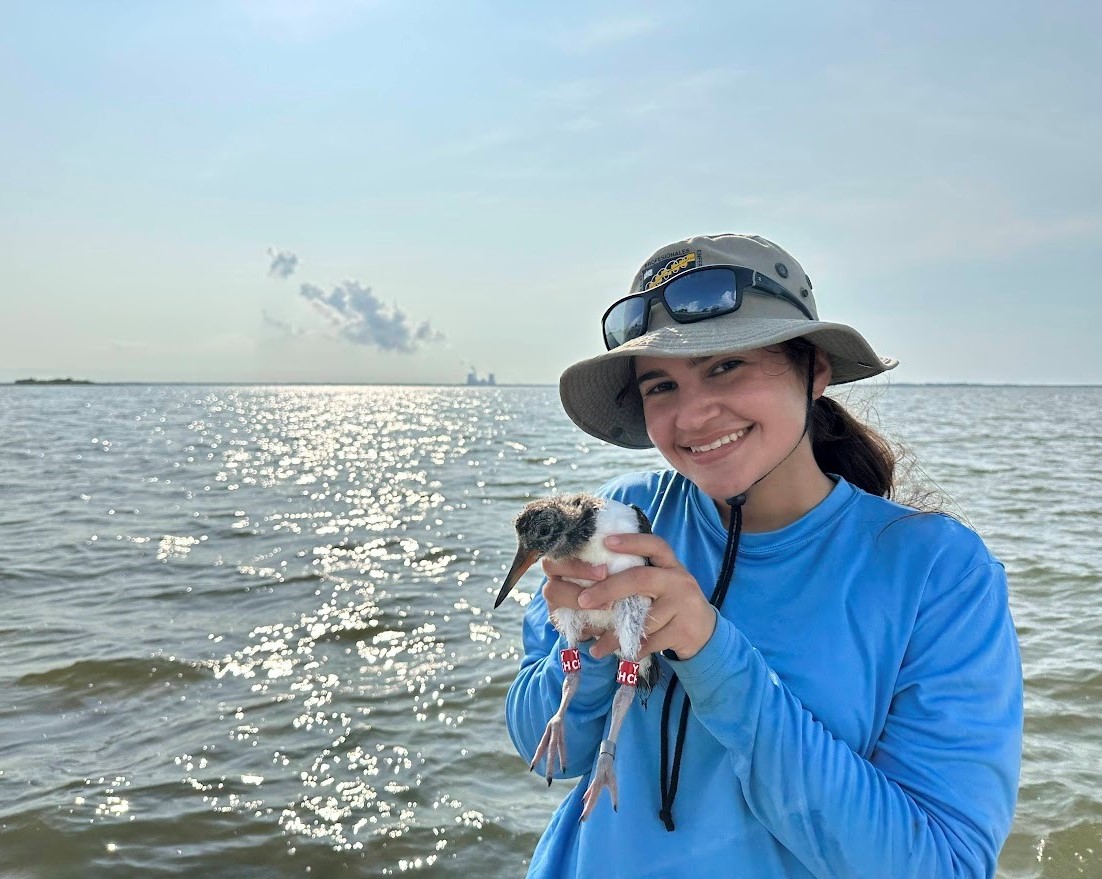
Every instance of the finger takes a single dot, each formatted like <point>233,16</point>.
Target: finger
<point>574,568</point>
<point>649,546</point>
<point>561,593</point>
<point>606,644</point>
<point>657,632</point>
<point>655,643</point>
<point>681,629</point>
<point>640,580</point>
<point>660,641</point>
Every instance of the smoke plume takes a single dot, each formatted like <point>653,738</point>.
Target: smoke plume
<point>361,317</point>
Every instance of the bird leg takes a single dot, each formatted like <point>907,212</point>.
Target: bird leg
<point>553,743</point>
<point>604,773</point>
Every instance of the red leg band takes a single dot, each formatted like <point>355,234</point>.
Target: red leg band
<point>628,673</point>
<point>570,660</point>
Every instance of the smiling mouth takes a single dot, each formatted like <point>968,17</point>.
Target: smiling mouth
<point>722,441</point>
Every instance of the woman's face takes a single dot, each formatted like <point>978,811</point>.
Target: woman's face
<point>725,421</point>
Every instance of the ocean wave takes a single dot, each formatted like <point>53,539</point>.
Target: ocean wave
<point>120,676</point>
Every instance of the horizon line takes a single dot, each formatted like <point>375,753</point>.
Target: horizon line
<point>78,383</point>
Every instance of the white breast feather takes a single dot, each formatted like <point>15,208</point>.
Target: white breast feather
<point>628,616</point>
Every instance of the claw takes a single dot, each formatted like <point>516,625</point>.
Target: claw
<point>553,747</point>
<point>553,744</point>
<point>604,776</point>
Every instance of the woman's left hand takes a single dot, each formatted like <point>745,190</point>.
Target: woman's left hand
<point>681,619</point>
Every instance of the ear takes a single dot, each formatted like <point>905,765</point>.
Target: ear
<point>824,372</point>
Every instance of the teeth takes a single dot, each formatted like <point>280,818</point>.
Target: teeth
<point>722,441</point>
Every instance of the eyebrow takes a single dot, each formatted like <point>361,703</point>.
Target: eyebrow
<point>646,376</point>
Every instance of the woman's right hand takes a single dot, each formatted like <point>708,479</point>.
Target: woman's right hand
<point>561,593</point>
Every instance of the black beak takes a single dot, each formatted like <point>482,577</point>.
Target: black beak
<point>525,558</point>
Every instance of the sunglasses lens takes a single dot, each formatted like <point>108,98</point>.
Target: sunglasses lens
<point>624,323</point>
<point>703,294</point>
<point>697,295</point>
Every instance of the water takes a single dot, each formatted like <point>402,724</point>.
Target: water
<point>248,631</point>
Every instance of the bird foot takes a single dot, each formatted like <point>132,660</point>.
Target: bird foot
<point>553,747</point>
<point>604,776</point>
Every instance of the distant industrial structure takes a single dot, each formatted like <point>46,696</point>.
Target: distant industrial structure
<point>473,378</point>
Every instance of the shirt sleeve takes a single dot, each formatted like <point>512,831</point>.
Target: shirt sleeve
<point>536,691</point>
<point>937,795</point>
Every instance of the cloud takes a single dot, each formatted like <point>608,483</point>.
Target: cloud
<point>283,263</point>
<point>361,318</point>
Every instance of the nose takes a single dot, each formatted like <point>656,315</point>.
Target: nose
<point>696,407</point>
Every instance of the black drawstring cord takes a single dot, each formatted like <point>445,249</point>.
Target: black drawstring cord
<point>669,785</point>
<point>734,535</point>
<point>726,573</point>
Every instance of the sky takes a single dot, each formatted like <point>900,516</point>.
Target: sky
<point>401,191</point>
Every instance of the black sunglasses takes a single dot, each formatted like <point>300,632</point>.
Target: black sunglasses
<point>697,294</point>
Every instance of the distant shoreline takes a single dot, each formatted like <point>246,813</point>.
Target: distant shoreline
<point>52,381</point>
<point>106,384</point>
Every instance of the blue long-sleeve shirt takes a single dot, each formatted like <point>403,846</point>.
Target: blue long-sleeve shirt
<point>856,713</point>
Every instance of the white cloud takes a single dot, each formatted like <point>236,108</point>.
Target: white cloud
<point>360,317</point>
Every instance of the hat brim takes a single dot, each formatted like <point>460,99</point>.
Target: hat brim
<point>598,396</point>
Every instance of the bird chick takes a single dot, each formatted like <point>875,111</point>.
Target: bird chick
<point>575,526</point>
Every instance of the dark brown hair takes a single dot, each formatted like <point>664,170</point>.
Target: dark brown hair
<point>841,443</point>
<point>845,445</point>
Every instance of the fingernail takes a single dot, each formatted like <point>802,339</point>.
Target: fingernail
<point>613,540</point>
<point>585,600</point>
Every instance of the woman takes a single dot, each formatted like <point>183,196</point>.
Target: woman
<point>854,706</point>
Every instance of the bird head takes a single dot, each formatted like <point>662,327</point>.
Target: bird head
<point>556,527</point>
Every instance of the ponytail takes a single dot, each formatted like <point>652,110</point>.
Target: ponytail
<point>842,444</point>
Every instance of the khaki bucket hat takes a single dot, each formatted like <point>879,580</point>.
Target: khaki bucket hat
<point>598,394</point>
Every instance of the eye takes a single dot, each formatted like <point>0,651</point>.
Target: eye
<point>659,387</point>
<point>727,365</point>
